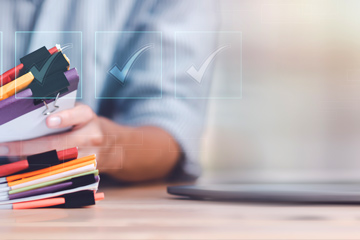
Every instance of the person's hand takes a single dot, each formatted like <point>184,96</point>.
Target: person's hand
<point>126,153</point>
<point>85,133</point>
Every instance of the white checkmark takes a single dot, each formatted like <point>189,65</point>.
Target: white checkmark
<point>121,74</point>
<point>197,75</point>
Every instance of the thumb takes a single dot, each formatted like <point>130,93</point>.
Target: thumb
<point>79,115</point>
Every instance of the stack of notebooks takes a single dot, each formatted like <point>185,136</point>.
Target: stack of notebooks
<point>39,85</point>
<point>50,179</point>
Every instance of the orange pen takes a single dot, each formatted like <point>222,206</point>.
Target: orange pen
<point>53,172</point>
<point>20,83</point>
<point>49,169</point>
<point>16,86</point>
<point>10,75</point>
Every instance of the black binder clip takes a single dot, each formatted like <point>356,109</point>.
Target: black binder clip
<point>49,78</point>
<point>79,199</point>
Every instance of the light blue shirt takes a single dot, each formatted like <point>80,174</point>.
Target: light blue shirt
<point>184,119</point>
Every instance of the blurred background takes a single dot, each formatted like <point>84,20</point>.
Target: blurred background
<point>298,118</point>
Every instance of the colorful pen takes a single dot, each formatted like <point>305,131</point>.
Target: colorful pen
<point>11,74</point>
<point>67,201</point>
<point>16,86</point>
<point>33,161</point>
<point>20,83</point>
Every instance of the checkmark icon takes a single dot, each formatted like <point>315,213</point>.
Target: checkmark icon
<point>40,74</point>
<point>198,75</point>
<point>121,74</point>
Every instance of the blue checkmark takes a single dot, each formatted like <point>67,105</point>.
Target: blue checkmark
<point>121,74</point>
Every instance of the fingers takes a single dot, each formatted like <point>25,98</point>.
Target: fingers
<point>86,133</point>
<point>79,115</point>
<point>29,147</point>
<point>86,138</point>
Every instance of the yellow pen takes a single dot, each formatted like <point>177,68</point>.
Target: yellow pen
<point>20,83</point>
<point>16,86</point>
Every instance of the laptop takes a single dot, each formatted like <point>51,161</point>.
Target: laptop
<point>322,193</point>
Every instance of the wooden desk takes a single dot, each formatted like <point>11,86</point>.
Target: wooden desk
<point>147,212</point>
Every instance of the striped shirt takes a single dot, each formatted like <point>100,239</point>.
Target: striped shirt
<point>122,27</point>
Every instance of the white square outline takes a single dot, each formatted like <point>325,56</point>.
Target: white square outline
<point>209,98</point>
<point>81,63</point>
<point>161,65</point>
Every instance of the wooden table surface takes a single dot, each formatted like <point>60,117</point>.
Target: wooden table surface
<point>147,212</point>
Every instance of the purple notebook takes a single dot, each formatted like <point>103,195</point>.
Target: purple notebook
<point>48,189</point>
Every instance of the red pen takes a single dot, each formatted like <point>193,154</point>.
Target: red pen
<point>10,75</point>
<point>39,161</point>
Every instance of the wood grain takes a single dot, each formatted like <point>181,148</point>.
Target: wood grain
<point>147,212</point>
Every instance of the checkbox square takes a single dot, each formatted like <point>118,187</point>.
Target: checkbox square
<point>212,68</point>
<point>128,65</point>
<point>70,41</point>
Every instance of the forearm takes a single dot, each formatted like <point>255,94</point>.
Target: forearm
<point>136,154</point>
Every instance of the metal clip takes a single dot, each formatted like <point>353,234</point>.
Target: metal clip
<point>47,111</point>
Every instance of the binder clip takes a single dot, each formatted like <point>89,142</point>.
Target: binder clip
<point>50,82</point>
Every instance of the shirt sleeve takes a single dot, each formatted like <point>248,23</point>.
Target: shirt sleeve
<point>183,118</point>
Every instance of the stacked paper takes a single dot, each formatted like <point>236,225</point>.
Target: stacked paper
<point>50,179</point>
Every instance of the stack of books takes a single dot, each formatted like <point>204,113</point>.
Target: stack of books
<point>50,179</point>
